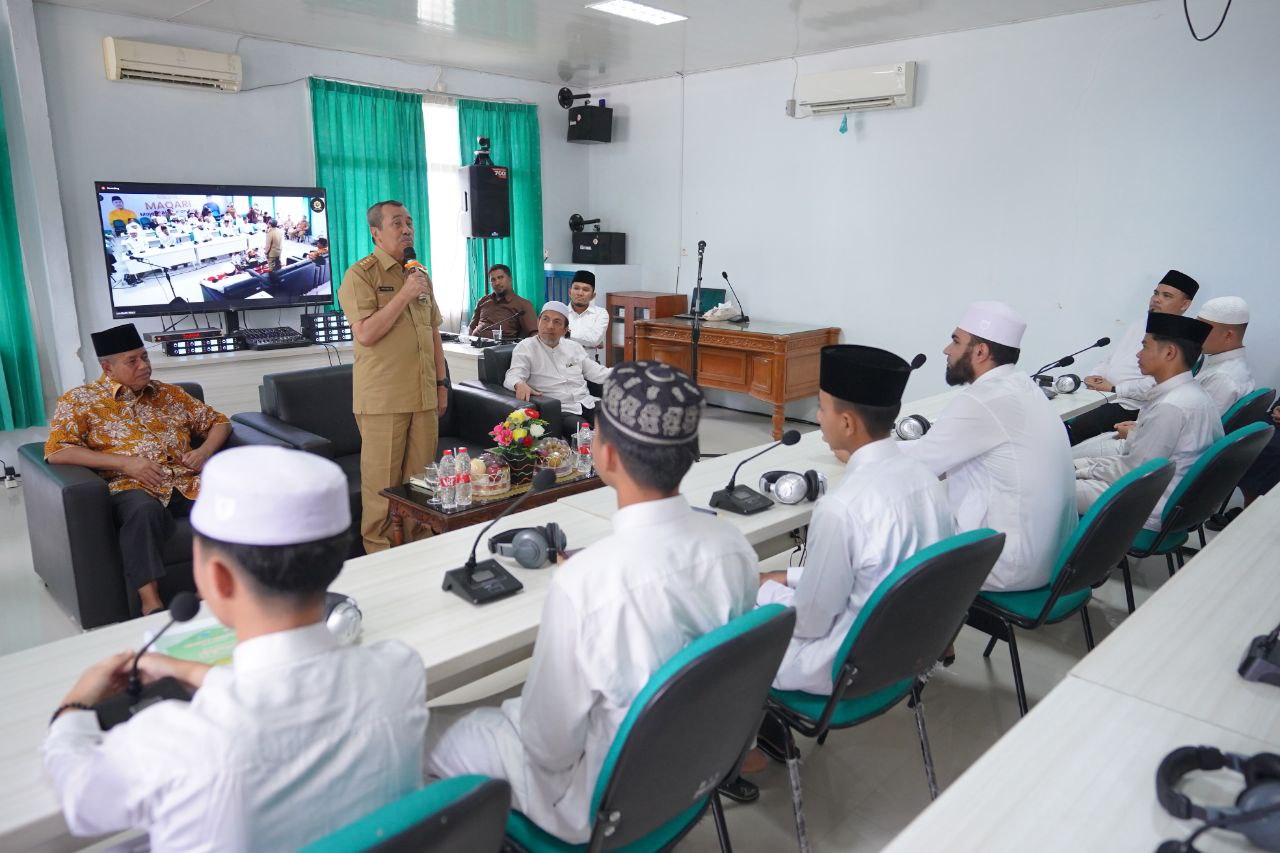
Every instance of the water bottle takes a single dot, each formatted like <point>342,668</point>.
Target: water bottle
<point>448,476</point>
<point>583,440</point>
<point>462,480</point>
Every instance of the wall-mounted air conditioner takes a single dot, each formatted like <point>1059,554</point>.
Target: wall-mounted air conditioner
<point>878,87</point>
<point>176,66</point>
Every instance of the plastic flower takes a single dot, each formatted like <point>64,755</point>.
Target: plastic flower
<point>519,434</point>
<point>533,413</point>
<point>519,416</point>
<point>537,430</point>
<point>527,441</point>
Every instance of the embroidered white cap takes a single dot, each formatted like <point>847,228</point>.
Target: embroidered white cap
<point>559,307</point>
<point>995,321</point>
<point>259,495</point>
<point>1230,310</point>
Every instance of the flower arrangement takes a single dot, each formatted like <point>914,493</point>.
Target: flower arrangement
<point>516,435</point>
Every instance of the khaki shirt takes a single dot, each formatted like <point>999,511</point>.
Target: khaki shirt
<point>398,373</point>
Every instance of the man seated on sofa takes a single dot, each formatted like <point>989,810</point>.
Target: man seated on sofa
<point>137,434</point>
<point>551,364</point>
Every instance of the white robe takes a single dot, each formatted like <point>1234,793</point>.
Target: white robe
<point>560,372</point>
<point>589,327</point>
<point>1005,454</point>
<point>1179,423</point>
<point>1226,377</point>
<point>615,613</point>
<point>1120,367</point>
<point>885,508</point>
<point>295,739</point>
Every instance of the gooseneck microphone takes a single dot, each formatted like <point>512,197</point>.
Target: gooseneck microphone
<point>123,706</point>
<point>1068,360</point>
<point>742,317</point>
<point>515,313</point>
<point>745,500</point>
<point>480,583</point>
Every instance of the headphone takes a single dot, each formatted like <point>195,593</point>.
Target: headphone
<point>1256,814</point>
<point>912,427</point>
<point>792,488</point>
<point>342,617</point>
<point>1067,383</point>
<point>532,547</point>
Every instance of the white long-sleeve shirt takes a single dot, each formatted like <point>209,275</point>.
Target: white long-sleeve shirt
<point>560,372</point>
<point>1179,422</point>
<point>1120,367</point>
<point>1226,377</point>
<point>885,508</point>
<point>1005,454</point>
<point>589,327</point>
<point>292,741</point>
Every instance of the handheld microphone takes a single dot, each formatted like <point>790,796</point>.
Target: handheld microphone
<point>745,500</point>
<point>480,583</point>
<point>741,318</point>
<point>411,263</point>
<point>121,707</point>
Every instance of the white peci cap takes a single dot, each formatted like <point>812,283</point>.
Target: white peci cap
<point>995,321</point>
<point>558,307</point>
<point>259,495</point>
<point>1230,310</point>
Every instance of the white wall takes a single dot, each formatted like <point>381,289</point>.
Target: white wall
<point>1062,165</point>
<point>139,132</point>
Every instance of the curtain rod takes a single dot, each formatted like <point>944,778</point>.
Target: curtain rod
<point>406,89</point>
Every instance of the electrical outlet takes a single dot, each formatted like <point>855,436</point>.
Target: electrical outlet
<point>684,253</point>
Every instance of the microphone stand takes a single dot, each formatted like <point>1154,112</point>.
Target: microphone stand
<point>697,316</point>
<point>742,314</point>
<point>162,269</point>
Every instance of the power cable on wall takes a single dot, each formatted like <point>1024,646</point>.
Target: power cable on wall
<point>1187,13</point>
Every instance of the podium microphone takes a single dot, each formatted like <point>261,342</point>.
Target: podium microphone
<point>123,706</point>
<point>745,500</point>
<point>742,317</point>
<point>480,583</point>
<point>1068,360</point>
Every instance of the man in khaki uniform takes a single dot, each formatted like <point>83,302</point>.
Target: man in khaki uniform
<point>399,385</point>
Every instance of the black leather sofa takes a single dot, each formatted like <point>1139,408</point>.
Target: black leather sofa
<point>311,410</point>
<point>74,545</point>
<point>492,369</point>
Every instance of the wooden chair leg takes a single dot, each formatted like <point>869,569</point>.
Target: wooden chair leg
<point>1088,629</point>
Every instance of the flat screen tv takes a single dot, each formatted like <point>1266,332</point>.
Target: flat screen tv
<point>178,248</point>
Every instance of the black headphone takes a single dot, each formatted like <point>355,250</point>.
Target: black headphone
<point>792,488</point>
<point>532,547</point>
<point>912,427</point>
<point>1256,814</point>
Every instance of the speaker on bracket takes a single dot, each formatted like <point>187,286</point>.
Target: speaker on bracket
<point>587,123</point>
<point>486,196</point>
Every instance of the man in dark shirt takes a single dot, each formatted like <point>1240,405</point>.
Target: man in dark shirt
<point>502,310</point>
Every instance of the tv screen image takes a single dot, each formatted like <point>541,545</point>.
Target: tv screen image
<point>177,248</point>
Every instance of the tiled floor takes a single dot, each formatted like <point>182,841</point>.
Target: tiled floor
<point>860,788</point>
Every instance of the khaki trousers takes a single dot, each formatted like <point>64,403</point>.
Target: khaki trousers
<point>392,448</point>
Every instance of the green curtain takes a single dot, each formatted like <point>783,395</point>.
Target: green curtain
<point>370,146</point>
<point>513,132</point>
<point>21,398</point>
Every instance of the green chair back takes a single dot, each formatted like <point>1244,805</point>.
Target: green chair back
<point>1213,478</point>
<point>463,813</point>
<point>1249,409</point>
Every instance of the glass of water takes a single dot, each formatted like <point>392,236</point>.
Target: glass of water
<point>497,333</point>
<point>431,474</point>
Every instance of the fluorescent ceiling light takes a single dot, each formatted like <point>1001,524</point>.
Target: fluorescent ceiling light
<point>637,12</point>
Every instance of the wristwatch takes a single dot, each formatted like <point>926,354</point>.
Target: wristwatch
<point>440,383</point>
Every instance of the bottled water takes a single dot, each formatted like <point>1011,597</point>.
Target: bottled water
<point>448,477</point>
<point>583,439</point>
<point>462,480</point>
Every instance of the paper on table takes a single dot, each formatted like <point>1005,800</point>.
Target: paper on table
<point>203,641</point>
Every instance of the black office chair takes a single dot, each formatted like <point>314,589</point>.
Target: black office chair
<point>686,732</point>
<point>466,813</point>
<point>902,630</point>
<point>1252,408</point>
<point>1204,487</point>
<point>1086,561</point>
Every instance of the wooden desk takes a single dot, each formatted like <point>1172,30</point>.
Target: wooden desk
<point>773,362</point>
<point>625,309</point>
<point>398,591</point>
<point>1078,773</point>
<point>406,501</point>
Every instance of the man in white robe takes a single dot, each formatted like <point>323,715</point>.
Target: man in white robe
<point>588,322</point>
<point>1178,423</point>
<point>885,509</point>
<point>294,739</point>
<point>1224,374</point>
<point>550,364</point>
<point>615,612</point>
<point>1003,450</point>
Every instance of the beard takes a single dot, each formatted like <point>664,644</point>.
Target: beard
<point>961,373</point>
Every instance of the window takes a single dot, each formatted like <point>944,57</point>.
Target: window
<point>444,197</point>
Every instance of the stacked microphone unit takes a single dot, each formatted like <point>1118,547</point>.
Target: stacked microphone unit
<point>745,500</point>
<point>137,696</point>
<point>199,343</point>
<point>326,327</point>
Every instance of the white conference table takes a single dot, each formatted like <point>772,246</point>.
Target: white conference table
<point>398,591</point>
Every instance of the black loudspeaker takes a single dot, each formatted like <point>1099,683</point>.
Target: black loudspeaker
<point>599,247</point>
<point>486,207</point>
<point>591,124</point>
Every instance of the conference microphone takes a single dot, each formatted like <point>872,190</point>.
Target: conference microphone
<point>475,336</point>
<point>480,583</point>
<point>1063,362</point>
<point>745,500</point>
<point>136,696</point>
<point>702,247</point>
<point>741,318</point>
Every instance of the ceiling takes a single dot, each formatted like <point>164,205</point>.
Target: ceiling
<point>562,41</point>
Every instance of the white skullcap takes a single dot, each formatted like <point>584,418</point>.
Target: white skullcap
<point>260,495</point>
<point>1231,310</point>
<point>558,307</point>
<point>994,321</point>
